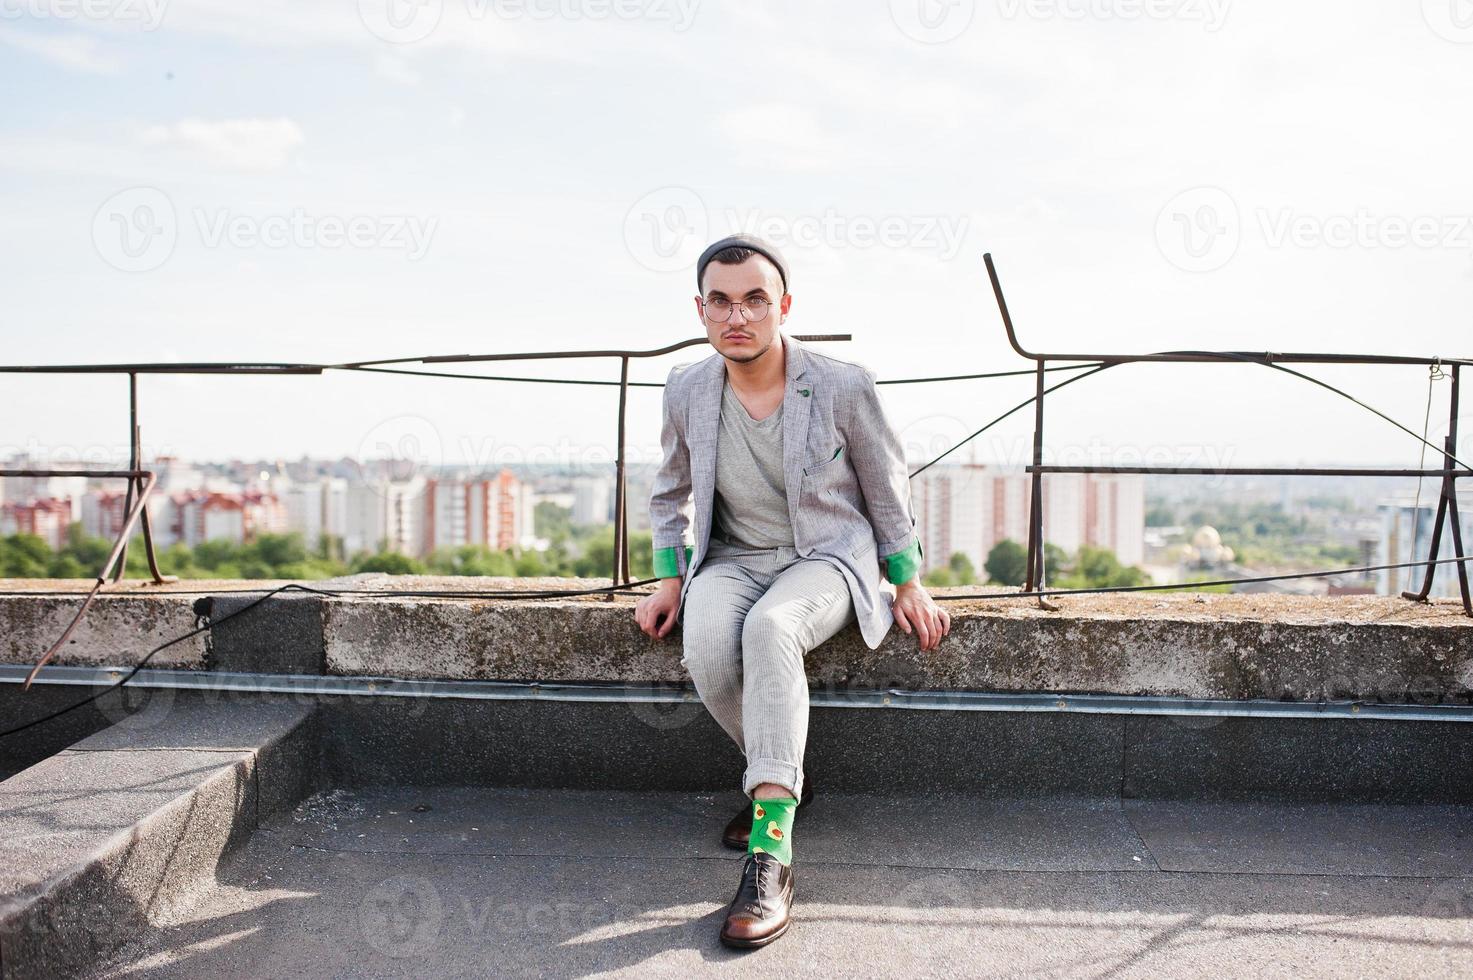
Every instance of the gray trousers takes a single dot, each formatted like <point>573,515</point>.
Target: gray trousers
<point>751,614</point>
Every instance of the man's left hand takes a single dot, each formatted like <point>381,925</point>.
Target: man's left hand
<point>917,612</point>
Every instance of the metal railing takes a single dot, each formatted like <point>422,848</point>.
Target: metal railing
<point>1449,471</point>
<point>142,481</point>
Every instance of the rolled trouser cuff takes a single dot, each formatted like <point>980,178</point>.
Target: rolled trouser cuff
<point>761,771</point>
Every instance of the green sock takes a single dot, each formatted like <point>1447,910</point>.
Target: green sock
<point>772,827</point>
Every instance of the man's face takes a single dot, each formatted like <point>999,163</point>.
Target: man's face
<point>757,278</point>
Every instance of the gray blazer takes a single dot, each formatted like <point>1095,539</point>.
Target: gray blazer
<point>847,482</point>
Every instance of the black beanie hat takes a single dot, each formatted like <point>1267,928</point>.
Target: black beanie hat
<point>759,245</point>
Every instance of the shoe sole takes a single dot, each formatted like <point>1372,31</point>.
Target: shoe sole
<point>735,943</point>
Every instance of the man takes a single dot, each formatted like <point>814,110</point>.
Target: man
<point>798,489</point>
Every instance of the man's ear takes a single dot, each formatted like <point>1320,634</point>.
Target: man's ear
<point>787,304</point>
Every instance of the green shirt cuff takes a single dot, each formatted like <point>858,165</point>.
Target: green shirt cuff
<point>667,563</point>
<point>902,566</point>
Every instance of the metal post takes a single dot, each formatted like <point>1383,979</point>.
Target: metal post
<point>1035,501</point>
<point>133,464</point>
<point>1447,505</point>
<point>621,519</point>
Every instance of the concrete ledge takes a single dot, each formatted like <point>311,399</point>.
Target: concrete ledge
<point>120,627</point>
<point>103,839</point>
<point>279,635</point>
<point>1147,644</point>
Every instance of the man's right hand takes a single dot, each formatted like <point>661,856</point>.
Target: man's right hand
<point>655,613</point>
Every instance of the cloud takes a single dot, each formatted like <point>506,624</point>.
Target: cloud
<point>243,144</point>
<point>76,52</point>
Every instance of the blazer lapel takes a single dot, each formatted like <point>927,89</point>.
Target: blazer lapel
<point>797,397</point>
<point>705,432</point>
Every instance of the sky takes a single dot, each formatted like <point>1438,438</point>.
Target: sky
<point>232,180</point>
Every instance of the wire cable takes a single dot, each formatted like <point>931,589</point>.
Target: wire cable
<point>1434,373</point>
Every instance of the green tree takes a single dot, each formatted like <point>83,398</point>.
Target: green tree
<point>942,577</point>
<point>330,547</point>
<point>1007,563</point>
<point>550,520</point>
<point>1095,568</point>
<point>215,555</point>
<point>469,560</point>
<point>24,556</point>
<point>390,562</point>
<point>597,560</point>
<point>65,566</point>
<point>275,550</point>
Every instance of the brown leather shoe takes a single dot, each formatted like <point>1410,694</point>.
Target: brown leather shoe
<point>761,910</point>
<point>738,830</point>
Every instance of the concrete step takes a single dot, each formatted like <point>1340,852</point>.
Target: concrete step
<point>101,840</point>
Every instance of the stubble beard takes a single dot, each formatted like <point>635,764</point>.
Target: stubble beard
<point>748,360</point>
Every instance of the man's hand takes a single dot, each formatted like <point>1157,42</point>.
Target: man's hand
<point>917,612</point>
<point>655,613</point>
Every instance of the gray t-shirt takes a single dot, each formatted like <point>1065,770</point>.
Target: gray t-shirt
<point>751,500</point>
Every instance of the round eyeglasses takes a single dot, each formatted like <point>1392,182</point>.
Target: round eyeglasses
<point>719,310</point>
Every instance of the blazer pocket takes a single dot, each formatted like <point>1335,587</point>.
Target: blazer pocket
<point>812,468</point>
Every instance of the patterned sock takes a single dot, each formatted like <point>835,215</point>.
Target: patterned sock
<point>772,827</point>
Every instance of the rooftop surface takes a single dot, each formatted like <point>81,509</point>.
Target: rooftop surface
<point>399,785</point>
<point>474,882</point>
